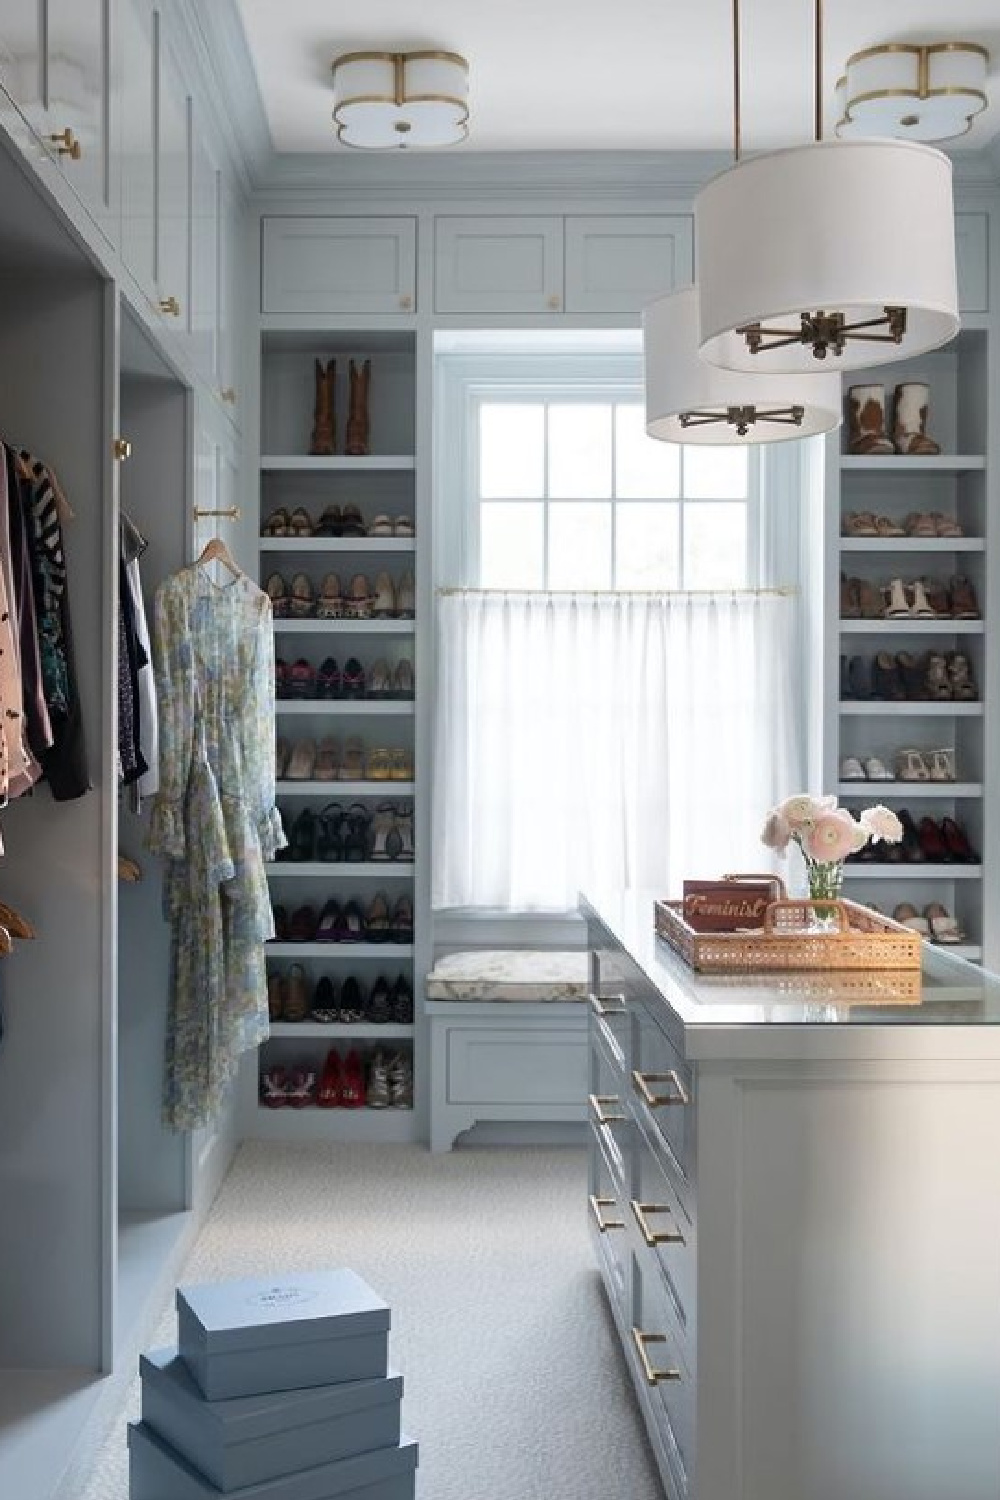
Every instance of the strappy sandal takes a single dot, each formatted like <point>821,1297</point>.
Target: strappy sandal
<point>330,522</point>
<point>387,843</point>
<point>351,521</point>
<point>329,834</point>
<point>352,760</point>
<point>303,605</point>
<point>936,677</point>
<point>911,766</point>
<point>277,592</point>
<point>400,765</point>
<point>330,605</point>
<point>943,926</point>
<point>274,1088</point>
<point>277,523</point>
<point>858,523</point>
<point>404,827</point>
<point>906,915</point>
<point>296,1006</point>
<point>358,600</point>
<point>381,526</point>
<point>380,680</point>
<point>379,765</point>
<point>384,602</point>
<point>327,759</point>
<point>402,680</point>
<point>377,920</point>
<point>403,526</point>
<point>942,764</point>
<point>302,762</point>
<point>300,523</point>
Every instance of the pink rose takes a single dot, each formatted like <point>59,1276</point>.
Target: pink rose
<point>833,836</point>
<point>776,833</point>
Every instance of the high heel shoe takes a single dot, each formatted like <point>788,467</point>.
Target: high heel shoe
<point>302,762</point>
<point>329,834</point>
<point>910,844</point>
<point>957,844</point>
<point>303,604</point>
<point>932,843</point>
<point>303,838</point>
<point>328,1096</point>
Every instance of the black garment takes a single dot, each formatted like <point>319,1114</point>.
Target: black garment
<point>131,657</point>
<point>19,517</point>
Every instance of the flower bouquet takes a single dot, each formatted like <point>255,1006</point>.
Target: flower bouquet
<point>826,834</point>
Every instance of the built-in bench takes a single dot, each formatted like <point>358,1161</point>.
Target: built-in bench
<point>508,1039</point>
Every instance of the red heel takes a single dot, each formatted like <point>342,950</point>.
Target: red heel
<point>957,844</point>
<point>352,1087</point>
<point>932,842</point>
<point>330,1085</point>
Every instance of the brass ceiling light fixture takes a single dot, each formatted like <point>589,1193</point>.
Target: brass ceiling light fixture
<point>390,101</point>
<point>839,248</point>
<point>689,401</point>
<point>914,92</point>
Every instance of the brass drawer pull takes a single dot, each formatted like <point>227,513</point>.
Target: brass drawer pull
<point>653,1377</point>
<point>655,1236</point>
<point>607,1005</point>
<point>171,306</point>
<point>657,1101</point>
<point>596,1204</point>
<point>597,1103</point>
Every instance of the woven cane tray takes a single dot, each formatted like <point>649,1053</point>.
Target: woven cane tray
<point>788,943</point>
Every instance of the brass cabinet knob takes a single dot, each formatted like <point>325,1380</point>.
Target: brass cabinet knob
<point>228,395</point>
<point>170,305</point>
<point>122,449</point>
<point>67,144</point>
<point>554,302</point>
<point>406,302</point>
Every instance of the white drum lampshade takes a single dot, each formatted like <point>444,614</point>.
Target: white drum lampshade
<point>385,101</point>
<point>689,401</point>
<point>788,242</point>
<point>913,93</point>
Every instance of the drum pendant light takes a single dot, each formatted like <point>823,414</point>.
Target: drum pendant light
<point>839,251</point>
<point>689,401</point>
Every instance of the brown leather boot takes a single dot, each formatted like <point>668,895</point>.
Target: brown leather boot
<point>324,440</point>
<point>356,434</point>
<point>866,413</point>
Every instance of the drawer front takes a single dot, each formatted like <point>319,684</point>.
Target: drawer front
<point>662,1092</point>
<point>608,1210</point>
<point>659,1365</point>
<point>609,1022</point>
<point>608,1112</point>
<point>489,1065</point>
<point>665,1233</point>
<point>331,265</point>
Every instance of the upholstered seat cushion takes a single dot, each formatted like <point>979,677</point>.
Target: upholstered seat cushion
<point>513,975</point>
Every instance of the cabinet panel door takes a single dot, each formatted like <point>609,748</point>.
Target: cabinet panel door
<point>498,265</point>
<point>173,197</point>
<point>203,322</point>
<point>619,263</point>
<point>227,337</point>
<point>137,133</point>
<point>76,97</point>
<point>972,257</point>
<point>321,264</point>
<point>22,64</point>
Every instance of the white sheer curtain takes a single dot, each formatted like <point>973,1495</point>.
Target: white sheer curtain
<point>606,740</point>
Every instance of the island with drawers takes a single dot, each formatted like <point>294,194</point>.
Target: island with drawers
<point>795,1207</point>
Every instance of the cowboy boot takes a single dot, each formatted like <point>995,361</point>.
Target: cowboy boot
<point>356,433</point>
<point>866,412</point>
<point>910,426</point>
<point>323,434</point>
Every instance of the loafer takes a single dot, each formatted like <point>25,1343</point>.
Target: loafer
<point>301,680</point>
<point>325,1007</point>
<point>328,679</point>
<point>302,926</point>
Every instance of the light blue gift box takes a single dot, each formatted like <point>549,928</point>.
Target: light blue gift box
<point>245,1338</point>
<point>156,1472</point>
<point>250,1439</point>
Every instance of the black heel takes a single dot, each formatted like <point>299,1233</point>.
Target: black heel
<point>330,834</point>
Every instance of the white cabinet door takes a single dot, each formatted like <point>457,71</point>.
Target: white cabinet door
<point>498,265</point>
<point>973,262</point>
<point>22,62</point>
<point>136,102</point>
<point>173,184</point>
<point>203,323</point>
<point>618,263</point>
<point>227,334</point>
<point>77,82</point>
<point>331,265</point>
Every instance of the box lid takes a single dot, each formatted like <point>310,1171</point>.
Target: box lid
<point>320,1483</point>
<point>303,1307</point>
<point>242,1418</point>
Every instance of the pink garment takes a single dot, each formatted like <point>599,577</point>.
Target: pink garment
<point>22,769</point>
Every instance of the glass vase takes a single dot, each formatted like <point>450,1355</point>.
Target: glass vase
<point>826,881</point>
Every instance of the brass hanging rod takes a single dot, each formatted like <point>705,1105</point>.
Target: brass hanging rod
<point>231,512</point>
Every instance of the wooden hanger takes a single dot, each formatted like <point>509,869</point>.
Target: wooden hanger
<point>215,550</point>
<point>14,924</point>
<point>129,869</point>
<point>6,941</point>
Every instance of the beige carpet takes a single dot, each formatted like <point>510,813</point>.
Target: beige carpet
<point>514,1382</point>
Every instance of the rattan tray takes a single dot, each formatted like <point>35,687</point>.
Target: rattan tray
<point>789,942</point>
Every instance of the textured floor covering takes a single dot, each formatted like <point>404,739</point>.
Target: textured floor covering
<point>514,1383</point>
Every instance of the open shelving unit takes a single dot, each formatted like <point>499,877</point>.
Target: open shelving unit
<point>382,482</point>
<point>959,482</point>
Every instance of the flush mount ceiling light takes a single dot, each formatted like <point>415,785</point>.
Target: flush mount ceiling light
<point>386,101</point>
<point>914,93</point>
<point>689,401</point>
<point>843,248</point>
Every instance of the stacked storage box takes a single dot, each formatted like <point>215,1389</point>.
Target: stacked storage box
<point>278,1390</point>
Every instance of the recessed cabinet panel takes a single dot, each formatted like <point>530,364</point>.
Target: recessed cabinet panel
<point>498,265</point>
<point>204,255</point>
<point>226,345</point>
<point>137,131</point>
<point>972,256</point>
<point>173,189</point>
<point>491,1067</point>
<point>330,265</point>
<point>22,63</point>
<point>76,95</point>
<point>619,263</point>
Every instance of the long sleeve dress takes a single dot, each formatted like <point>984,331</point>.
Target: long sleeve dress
<point>215,820</point>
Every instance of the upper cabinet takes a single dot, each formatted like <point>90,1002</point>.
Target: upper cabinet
<point>333,265</point>
<point>204,320</point>
<point>136,94</point>
<point>173,186</point>
<point>973,263</point>
<point>619,264</point>
<point>227,379</point>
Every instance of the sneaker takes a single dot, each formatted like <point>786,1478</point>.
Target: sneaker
<point>377,1096</point>
<point>400,1081</point>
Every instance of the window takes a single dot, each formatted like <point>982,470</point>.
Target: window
<point>572,494</point>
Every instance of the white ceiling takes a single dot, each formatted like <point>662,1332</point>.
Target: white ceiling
<point>601,74</point>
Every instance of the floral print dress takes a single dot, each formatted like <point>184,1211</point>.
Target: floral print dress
<point>215,820</point>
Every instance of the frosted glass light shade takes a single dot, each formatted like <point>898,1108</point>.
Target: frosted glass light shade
<point>914,93</point>
<point>679,384</point>
<point>849,227</point>
<point>386,101</point>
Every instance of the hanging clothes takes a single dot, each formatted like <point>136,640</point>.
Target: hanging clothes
<point>23,769</point>
<point>133,546</point>
<point>215,820</point>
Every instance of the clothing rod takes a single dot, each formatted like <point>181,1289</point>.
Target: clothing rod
<point>622,593</point>
<point>232,512</point>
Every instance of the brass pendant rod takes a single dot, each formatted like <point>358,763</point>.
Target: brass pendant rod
<point>818,80</point>
<point>736,80</point>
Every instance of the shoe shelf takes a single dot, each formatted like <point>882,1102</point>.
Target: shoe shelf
<point>340,869</point>
<point>345,788</point>
<point>909,790</point>
<point>383,1127</point>
<point>910,708</point>
<point>389,951</point>
<point>344,627</point>
<point>935,463</point>
<point>298,463</point>
<point>904,625</point>
<point>320,708</point>
<point>330,1031</point>
<point>905,870</point>
<point>971,951</point>
<point>337,544</point>
<point>920,544</point>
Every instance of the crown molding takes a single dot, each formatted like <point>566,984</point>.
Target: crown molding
<point>218,41</point>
